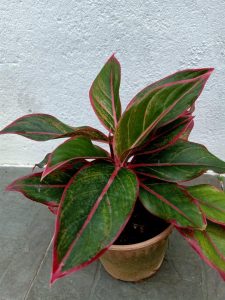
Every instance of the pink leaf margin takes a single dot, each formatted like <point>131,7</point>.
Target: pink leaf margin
<point>194,244</point>
<point>12,188</point>
<point>111,58</point>
<point>188,126</point>
<point>49,169</point>
<point>56,266</point>
<point>202,78</point>
<point>54,135</point>
<point>210,70</point>
<point>164,200</point>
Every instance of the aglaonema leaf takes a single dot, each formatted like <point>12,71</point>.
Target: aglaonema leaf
<point>211,200</point>
<point>176,77</point>
<point>182,161</point>
<point>48,191</point>
<point>209,244</point>
<point>186,133</point>
<point>43,127</point>
<point>74,148</point>
<point>158,107</point>
<point>104,94</point>
<point>167,135</point>
<point>109,194</point>
<point>172,203</point>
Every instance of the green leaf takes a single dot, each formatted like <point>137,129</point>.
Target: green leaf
<point>74,148</point>
<point>166,136</point>
<point>176,77</point>
<point>84,232</point>
<point>157,108</point>
<point>104,94</point>
<point>171,203</point>
<point>48,191</point>
<point>209,244</point>
<point>211,200</point>
<point>42,127</point>
<point>181,161</point>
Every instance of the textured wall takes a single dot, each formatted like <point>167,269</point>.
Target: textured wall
<point>50,51</point>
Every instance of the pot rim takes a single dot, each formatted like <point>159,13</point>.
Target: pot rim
<point>149,242</point>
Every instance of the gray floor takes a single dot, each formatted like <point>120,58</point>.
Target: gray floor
<point>25,262</point>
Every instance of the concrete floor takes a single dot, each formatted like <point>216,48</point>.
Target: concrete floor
<point>25,262</point>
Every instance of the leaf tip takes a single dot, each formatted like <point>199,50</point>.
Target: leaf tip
<point>208,73</point>
<point>8,188</point>
<point>44,174</point>
<point>3,131</point>
<point>11,187</point>
<point>53,279</point>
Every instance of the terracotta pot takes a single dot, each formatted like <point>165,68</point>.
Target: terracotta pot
<point>137,261</point>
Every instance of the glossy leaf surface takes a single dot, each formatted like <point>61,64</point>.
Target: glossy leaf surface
<point>182,161</point>
<point>211,200</point>
<point>42,127</point>
<point>171,203</point>
<point>104,94</point>
<point>109,195</point>
<point>157,108</point>
<point>209,244</point>
<point>48,191</point>
<point>74,148</point>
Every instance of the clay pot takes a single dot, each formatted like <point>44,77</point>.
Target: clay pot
<point>137,261</point>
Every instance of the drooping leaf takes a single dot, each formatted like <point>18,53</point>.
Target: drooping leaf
<point>209,244</point>
<point>104,94</point>
<point>74,148</point>
<point>48,191</point>
<point>84,232</point>
<point>157,108</point>
<point>211,200</point>
<point>171,203</point>
<point>182,161</point>
<point>42,127</point>
<point>176,77</point>
<point>166,136</point>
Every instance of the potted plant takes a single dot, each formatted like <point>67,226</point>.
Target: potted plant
<point>103,200</point>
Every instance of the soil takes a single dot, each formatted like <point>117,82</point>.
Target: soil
<point>141,227</point>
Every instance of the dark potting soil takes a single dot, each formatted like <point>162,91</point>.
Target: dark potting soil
<point>141,227</point>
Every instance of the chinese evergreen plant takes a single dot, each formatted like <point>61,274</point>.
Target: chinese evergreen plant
<point>93,192</point>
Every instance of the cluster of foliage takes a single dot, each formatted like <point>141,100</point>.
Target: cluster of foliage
<point>92,192</point>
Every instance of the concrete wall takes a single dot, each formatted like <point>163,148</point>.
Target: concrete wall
<point>50,51</point>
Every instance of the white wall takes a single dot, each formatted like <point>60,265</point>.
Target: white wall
<point>50,51</point>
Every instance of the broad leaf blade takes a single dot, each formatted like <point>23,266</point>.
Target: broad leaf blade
<point>211,200</point>
<point>172,203</point>
<point>167,135</point>
<point>182,161</point>
<point>159,107</point>
<point>42,127</point>
<point>104,94</point>
<point>74,148</point>
<point>109,195</point>
<point>176,77</point>
<point>209,244</point>
<point>48,191</point>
